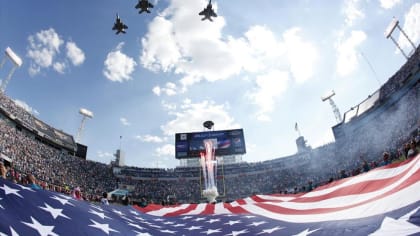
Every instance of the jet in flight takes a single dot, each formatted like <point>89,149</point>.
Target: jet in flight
<point>119,26</point>
<point>208,12</point>
<point>144,6</point>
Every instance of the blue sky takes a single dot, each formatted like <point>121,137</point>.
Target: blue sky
<point>261,67</point>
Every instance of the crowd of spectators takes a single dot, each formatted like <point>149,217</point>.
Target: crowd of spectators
<point>54,168</point>
<point>400,78</point>
<point>11,109</point>
<point>365,144</point>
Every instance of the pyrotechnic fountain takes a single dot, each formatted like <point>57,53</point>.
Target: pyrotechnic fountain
<point>209,166</point>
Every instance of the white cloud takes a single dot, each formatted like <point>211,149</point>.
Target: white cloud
<point>269,87</point>
<point>44,52</point>
<point>170,89</point>
<point>149,138</point>
<point>43,47</point>
<point>347,60</point>
<point>165,150</point>
<point>411,27</point>
<point>352,11</point>
<point>388,4</point>
<point>259,50</point>
<point>124,121</point>
<point>105,156</point>
<point>200,53</point>
<point>75,54</point>
<point>60,67</point>
<point>157,90</point>
<point>194,51</point>
<point>118,66</point>
<point>190,117</point>
<point>34,70</point>
<point>26,107</point>
<point>168,106</point>
<point>302,55</point>
<point>160,50</point>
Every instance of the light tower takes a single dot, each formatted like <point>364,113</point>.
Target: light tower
<point>333,106</point>
<point>17,63</point>
<point>388,34</point>
<point>86,114</point>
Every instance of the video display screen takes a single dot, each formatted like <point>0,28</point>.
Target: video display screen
<point>229,142</point>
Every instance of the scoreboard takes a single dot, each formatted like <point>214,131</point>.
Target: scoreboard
<point>229,142</point>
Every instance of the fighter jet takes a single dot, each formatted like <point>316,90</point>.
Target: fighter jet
<point>144,6</point>
<point>208,12</point>
<point>119,26</point>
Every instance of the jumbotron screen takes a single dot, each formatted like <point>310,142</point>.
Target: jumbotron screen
<point>229,142</point>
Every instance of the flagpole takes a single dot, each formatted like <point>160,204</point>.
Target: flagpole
<point>297,129</point>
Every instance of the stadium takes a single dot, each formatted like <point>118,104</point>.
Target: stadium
<point>29,145</point>
<point>32,146</point>
<point>377,135</point>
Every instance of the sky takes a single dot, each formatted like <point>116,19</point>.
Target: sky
<point>260,67</point>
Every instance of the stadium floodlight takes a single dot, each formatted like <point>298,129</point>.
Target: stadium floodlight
<point>86,114</point>
<point>17,61</point>
<point>391,27</point>
<point>395,24</point>
<point>333,106</point>
<point>328,96</point>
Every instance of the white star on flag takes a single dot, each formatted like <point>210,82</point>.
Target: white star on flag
<point>53,211</point>
<point>168,231</point>
<point>168,223</point>
<point>100,214</point>
<point>43,230</point>
<point>269,231</point>
<point>211,231</point>
<point>390,226</point>
<point>127,219</point>
<point>134,212</point>
<point>193,228</point>
<point>213,220</point>
<point>257,223</point>
<point>12,232</point>
<point>103,227</point>
<point>236,233</point>
<point>63,201</point>
<point>143,234</point>
<point>179,225</point>
<point>232,222</point>
<point>118,212</point>
<point>26,188</point>
<point>136,226</point>
<point>8,191</point>
<point>154,226</point>
<point>305,232</point>
<point>96,207</point>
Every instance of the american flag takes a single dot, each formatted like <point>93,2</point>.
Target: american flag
<point>383,201</point>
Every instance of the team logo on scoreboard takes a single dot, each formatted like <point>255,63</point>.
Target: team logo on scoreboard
<point>183,136</point>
